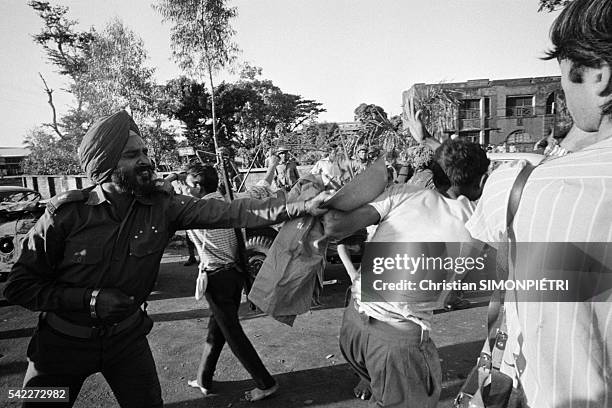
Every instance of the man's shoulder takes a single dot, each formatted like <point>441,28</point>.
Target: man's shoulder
<point>504,175</point>
<point>407,189</point>
<point>67,197</point>
<point>397,195</point>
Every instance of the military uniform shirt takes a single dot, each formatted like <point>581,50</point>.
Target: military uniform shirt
<point>84,245</point>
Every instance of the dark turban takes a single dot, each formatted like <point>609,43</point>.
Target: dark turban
<point>103,144</point>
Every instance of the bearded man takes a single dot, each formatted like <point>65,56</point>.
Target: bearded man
<point>92,259</point>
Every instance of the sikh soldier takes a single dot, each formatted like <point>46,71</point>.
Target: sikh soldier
<point>92,259</point>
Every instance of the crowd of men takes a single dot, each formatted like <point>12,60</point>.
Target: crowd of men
<point>92,259</point>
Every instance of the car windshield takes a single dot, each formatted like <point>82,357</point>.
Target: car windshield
<point>18,196</point>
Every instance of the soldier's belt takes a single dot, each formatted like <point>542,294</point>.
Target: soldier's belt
<point>86,332</point>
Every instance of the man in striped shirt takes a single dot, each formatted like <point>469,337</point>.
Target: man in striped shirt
<point>562,351</point>
<point>221,281</point>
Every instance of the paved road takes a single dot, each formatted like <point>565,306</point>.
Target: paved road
<point>305,359</point>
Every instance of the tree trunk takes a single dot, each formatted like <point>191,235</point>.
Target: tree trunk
<point>54,124</point>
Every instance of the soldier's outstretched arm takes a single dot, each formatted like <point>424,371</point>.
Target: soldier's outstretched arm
<point>192,213</point>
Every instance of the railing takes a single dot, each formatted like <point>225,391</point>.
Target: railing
<point>469,113</point>
<point>519,111</point>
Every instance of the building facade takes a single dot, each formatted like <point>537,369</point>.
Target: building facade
<point>11,159</point>
<point>512,114</point>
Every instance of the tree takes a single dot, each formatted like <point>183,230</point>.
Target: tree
<point>201,37</point>
<point>67,49</point>
<point>269,116</point>
<point>313,139</point>
<point>157,129</point>
<point>191,105</point>
<point>380,130</point>
<point>49,155</point>
<point>106,71</point>
<point>252,114</point>
<point>374,118</point>
<point>116,74</point>
<point>552,5</point>
<point>440,108</point>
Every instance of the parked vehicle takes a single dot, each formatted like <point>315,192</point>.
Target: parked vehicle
<point>497,159</point>
<point>19,209</point>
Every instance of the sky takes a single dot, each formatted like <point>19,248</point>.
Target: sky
<point>338,52</point>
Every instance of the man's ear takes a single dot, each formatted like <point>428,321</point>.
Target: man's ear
<point>601,78</point>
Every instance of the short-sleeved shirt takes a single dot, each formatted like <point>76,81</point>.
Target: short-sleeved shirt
<point>329,171</point>
<point>567,347</point>
<point>411,214</point>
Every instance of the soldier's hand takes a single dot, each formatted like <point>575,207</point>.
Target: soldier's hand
<point>165,186</point>
<point>113,303</point>
<point>313,205</point>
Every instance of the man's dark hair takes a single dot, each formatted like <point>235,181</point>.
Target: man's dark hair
<point>582,33</point>
<point>210,178</point>
<point>463,162</point>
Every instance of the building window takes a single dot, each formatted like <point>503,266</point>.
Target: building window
<point>469,109</point>
<point>519,105</point>
<point>551,107</point>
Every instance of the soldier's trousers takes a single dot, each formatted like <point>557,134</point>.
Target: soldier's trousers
<point>124,359</point>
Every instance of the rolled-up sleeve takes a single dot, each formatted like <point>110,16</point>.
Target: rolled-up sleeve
<point>32,282</point>
<point>190,213</point>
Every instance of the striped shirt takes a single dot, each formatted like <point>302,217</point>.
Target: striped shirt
<point>216,247</point>
<point>566,347</point>
<point>219,247</point>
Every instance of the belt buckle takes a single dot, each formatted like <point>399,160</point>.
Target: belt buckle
<point>98,331</point>
<point>104,330</point>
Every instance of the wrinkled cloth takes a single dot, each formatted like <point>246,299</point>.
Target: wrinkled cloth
<point>103,144</point>
<point>291,278</point>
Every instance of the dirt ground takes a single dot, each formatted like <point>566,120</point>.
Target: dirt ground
<point>305,359</point>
